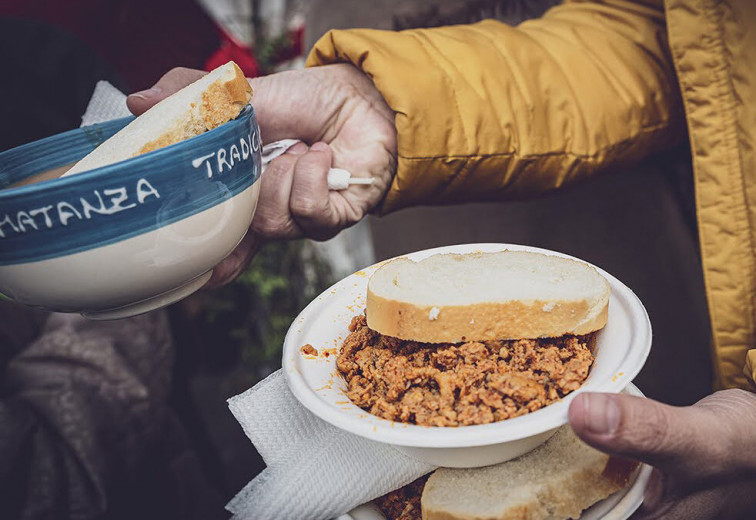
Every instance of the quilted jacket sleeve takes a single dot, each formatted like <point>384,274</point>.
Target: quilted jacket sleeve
<point>490,111</point>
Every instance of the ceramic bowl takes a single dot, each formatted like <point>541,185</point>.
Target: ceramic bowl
<point>622,347</point>
<point>129,237</point>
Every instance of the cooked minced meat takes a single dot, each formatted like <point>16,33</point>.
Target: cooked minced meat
<point>403,503</point>
<point>309,350</point>
<point>456,384</point>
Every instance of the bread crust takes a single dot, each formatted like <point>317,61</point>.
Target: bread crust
<point>483,321</point>
<point>516,513</point>
<point>565,498</point>
<point>221,102</point>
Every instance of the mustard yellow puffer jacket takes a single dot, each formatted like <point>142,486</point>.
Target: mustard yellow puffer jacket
<point>489,111</point>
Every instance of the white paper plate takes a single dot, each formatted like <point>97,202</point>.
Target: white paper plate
<point>618,506</point>
<point>621,350</point>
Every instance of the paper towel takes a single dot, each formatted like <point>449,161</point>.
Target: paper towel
<point>314,471</point>
<point>106,103</point>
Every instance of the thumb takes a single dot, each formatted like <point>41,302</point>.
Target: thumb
<point>675,440</point>
<point>171,82</point>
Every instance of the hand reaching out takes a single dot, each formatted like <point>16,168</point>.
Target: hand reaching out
<point>704,455</point>
<point>336,110</point>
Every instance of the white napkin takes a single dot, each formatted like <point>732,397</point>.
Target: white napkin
<point>108,103</point>
<point>315,470</point>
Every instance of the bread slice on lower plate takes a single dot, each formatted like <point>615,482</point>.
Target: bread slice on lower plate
<point>214,99</point>
<point>556,481</point>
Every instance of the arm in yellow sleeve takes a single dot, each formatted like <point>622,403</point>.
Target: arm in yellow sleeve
<point>490,111</point>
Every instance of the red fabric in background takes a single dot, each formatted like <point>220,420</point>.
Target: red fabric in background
<point>140,39</point>
<point>296,45</point>
<point>230,50</point>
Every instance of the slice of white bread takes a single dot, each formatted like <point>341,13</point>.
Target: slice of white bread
<point>486,296</point>
<point>214,99</point>
<point>556,481</point>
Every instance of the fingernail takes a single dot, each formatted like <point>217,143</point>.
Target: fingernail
<point>319,147</point>
<point>148,94</point>
<point>602,414</point>
<point>297,149</point>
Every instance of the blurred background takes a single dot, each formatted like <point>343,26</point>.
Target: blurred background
<point>634,223</point>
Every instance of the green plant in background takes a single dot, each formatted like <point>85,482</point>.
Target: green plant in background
<point>248,318</point>
<point>268,51</point>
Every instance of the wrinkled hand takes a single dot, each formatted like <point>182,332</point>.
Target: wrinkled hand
<point>337,110</point>
<point>704,455</point>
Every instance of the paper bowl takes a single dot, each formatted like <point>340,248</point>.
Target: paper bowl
<point>129,237</point>
<point>621,350</point>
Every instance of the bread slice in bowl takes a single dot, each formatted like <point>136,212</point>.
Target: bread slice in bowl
<point>556,481</point>
<point>449,298</point>
<point>214,99</point>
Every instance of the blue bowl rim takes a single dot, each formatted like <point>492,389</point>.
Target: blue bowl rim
<point>108,169</point>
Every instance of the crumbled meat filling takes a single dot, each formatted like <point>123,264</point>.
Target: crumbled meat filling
<point>309,350</point>
<point>403,503</point>
<point>456,384</point>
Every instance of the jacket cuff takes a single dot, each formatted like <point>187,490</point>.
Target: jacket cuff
<point>370,51</point>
